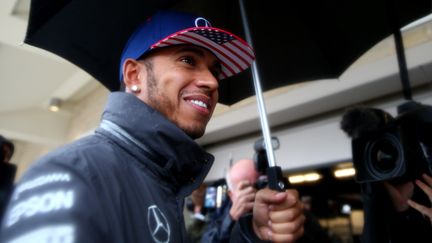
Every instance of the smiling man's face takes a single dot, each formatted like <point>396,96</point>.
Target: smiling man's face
<point>181,83</point>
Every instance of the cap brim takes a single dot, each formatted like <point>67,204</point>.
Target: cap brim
<point>233,52</point>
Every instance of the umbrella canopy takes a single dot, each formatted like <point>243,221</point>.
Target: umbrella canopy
<point>300,42</point>
<point>90,34</point>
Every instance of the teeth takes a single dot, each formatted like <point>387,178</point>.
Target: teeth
<point>199,103</point>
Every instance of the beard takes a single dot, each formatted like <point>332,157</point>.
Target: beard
<point>160,101</point>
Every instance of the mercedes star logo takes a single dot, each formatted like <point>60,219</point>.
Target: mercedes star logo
<point>158,224</point>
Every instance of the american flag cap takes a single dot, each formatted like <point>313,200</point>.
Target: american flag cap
<point>167,28</point>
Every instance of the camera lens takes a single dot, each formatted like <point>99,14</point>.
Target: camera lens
<point>384,157</point>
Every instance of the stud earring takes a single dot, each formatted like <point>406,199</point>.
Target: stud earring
<point>135,89</point>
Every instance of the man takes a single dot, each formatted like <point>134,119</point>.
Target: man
<point>241,192</point>
<point>127,182</point>
<point>7,172</point>
<point>392,210</point>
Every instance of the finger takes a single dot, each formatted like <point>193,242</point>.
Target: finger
<point>245,208</point>
<point>288,227</point>
<point>422,209</point>
<point>286,237</point>
<point>237,210</point>
<point>248,205</point>
<point>268,196</point>
<point>285,215</point>
<point>428,179</point>
<point>292,200</point>
<point>246,198</point>
<point>247,190</point>
<point>243,184</point>
<point>239,205</point>
<point>426,189</point>
<point>264,233</point>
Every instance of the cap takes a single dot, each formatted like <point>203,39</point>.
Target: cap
<point>167,28</point>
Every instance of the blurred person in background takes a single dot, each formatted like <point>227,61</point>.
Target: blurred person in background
<point>314,232</point>
<point>240,180</point>
<point>198,218</point>
<point>7,172</point>
<point>397,212</point>
<point>391,155</point>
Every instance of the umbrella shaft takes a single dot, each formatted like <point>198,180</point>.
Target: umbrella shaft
<point>258,91</point>
<point>263,117</point>
<point>403,69</point>
<point>400,51</point>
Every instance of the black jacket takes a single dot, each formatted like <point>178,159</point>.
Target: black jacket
<point>220,225</point>
<point>125,183</point>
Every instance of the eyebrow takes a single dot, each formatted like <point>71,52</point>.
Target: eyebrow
<point>200,52</point>
<point>193,49</point>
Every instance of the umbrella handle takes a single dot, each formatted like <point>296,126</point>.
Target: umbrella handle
<point>276,180</point>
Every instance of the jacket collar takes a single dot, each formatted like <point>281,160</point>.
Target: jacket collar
<point>156,142</point>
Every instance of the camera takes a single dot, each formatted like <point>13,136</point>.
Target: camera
<point>261,161</point>
<point>216,192</point>
<point>390,148</point>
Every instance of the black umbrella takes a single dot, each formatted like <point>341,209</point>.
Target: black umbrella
<point>88,33</point>
<point>295,41</point>
<point>303,41</point>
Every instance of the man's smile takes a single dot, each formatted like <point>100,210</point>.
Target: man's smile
<point>201,104</point>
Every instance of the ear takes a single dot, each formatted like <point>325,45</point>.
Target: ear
<point>131,73</point>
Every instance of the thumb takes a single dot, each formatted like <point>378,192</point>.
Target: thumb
<point>268,196</point>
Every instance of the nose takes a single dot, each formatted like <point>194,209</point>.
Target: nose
<point>208,81</point>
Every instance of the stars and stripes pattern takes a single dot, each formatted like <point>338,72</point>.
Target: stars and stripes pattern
<point>234,53</point>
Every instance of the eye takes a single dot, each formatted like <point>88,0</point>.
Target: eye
<point>216,73</point>
<point>216,70</point>
<point>188,60</point>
